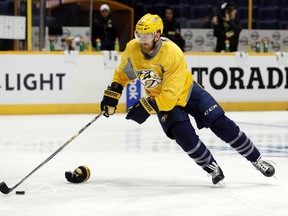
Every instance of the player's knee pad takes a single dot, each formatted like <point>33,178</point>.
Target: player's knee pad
<point>225,128</point>
<point>170,118</point>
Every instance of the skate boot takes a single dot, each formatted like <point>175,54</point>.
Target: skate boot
<point>264,167</point>
<point>217,174</point>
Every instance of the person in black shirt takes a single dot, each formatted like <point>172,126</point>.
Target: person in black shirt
<point>227,27</point>
<point>105,29</point>
<point>172,29</point>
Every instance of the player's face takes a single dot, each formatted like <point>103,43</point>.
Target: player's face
<point>144,38</point>
<point>146,41</point>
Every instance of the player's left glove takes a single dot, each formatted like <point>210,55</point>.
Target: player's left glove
<point>80,174</point>
<point>111,98</point>
<point>142,109</point>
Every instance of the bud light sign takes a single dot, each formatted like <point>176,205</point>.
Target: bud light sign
<point>133,94</point>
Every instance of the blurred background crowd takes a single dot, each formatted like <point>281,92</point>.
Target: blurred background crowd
<point>187,14</point>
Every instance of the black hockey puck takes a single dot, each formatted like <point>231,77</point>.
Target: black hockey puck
<point>20,192</point>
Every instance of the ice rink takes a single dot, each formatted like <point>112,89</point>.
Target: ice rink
<point>136,170</point>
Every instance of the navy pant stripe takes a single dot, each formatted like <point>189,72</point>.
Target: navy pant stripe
<point>237,138</point>
<point>186,137</point>
<point>195,148</point>
<point>241,146</point>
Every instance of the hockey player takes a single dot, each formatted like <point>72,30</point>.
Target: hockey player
<point>173,94</point>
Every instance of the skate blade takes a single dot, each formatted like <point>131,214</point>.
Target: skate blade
<point>221,183</point>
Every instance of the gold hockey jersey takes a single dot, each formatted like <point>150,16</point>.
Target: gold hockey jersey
<point>164,74</point>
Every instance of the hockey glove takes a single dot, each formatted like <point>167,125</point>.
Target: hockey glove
<point>110,99</point>
<point>80,174</point>
<point>142,109</point>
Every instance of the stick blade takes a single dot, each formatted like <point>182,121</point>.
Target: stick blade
<point>4,188</point>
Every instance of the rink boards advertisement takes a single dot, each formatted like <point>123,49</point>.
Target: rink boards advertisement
<point>45,82</point>
<point>241,78</point>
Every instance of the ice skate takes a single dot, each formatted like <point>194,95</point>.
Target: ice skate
<point>217,174</point>
<point>264,167</point>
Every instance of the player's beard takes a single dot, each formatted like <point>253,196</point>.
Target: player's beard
<point>148,48</point>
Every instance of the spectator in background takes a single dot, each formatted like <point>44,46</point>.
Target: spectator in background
<point>105,29</point>
<point>227,27</point>
<point>172,29</point>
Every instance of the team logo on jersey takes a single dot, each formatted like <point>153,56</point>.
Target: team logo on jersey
<point>148,78</point>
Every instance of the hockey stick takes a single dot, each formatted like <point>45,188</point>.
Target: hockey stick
<point>3,186</point>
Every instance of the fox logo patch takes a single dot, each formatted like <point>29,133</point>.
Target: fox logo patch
<point>148,78</point>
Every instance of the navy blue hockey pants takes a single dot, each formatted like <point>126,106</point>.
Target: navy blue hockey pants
<point>209,114</point>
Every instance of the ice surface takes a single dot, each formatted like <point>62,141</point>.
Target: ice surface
<point>136,170</point>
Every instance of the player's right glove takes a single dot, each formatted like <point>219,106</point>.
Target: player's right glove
<point>110,99</point>
<point>80,174</point>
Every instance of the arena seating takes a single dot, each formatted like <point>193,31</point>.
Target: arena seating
<point>195,13</point>
<point>266,14</point>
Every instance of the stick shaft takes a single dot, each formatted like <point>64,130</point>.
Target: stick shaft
<point>56,152</point>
